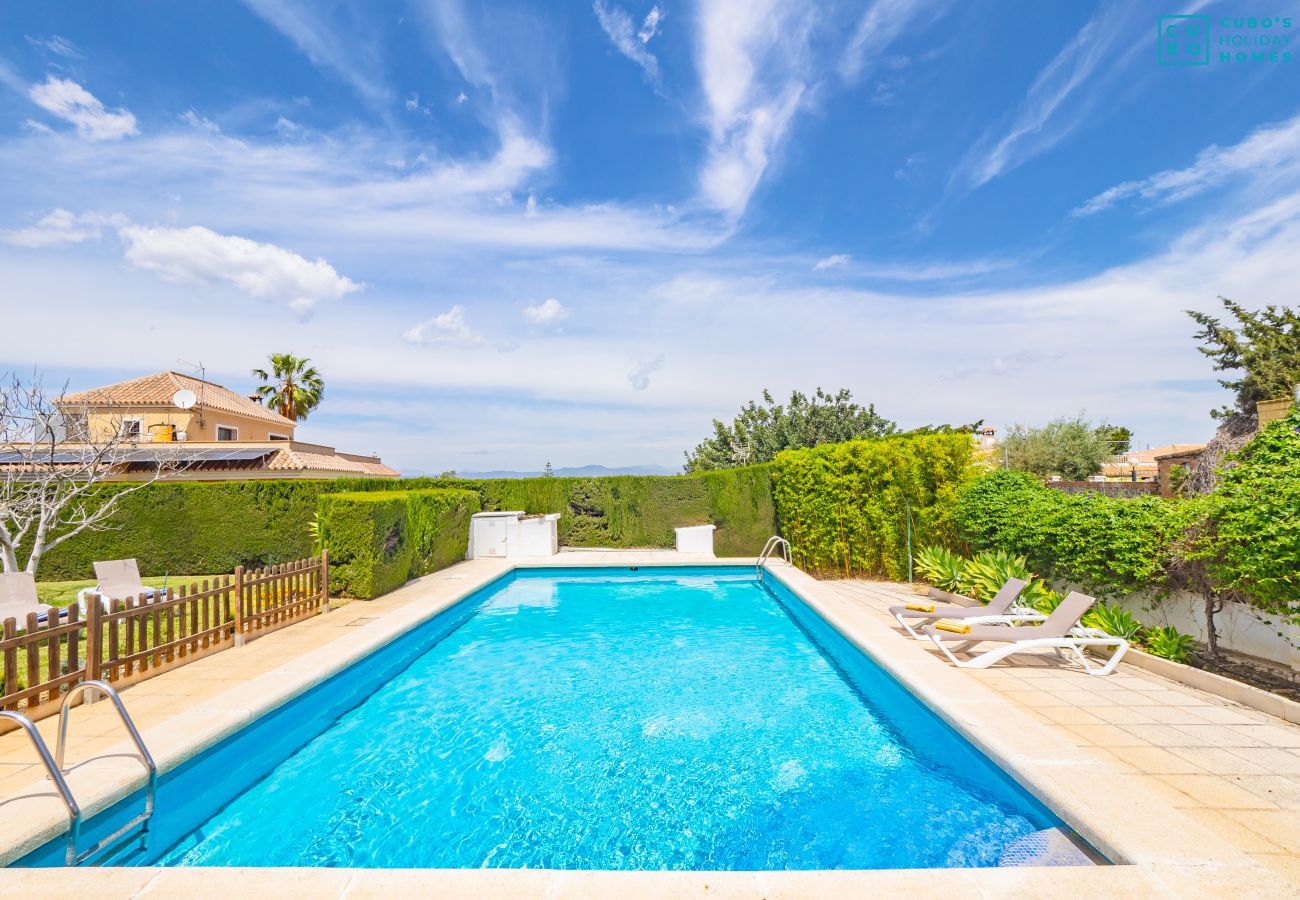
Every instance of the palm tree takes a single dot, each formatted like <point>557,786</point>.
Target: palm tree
<point>294,387</point>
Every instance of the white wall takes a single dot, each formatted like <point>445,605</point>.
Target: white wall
<point>1240,628</point>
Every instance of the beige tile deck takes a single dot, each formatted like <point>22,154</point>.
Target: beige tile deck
<point>1225,768</point>
<point>1232,768</point>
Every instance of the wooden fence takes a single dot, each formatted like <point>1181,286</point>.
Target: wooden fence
<point>137,638</point>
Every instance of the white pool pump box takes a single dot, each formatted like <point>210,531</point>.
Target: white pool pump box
<point>512,534</point>
<point>695,539</point>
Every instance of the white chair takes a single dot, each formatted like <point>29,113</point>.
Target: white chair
<point>18,598</point>
<point>924,612</point>
<point>1060,631</point>
<point>119,579</point>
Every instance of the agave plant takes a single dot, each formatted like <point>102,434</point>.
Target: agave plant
<point>984,575</point>
<point>941,567</point>
<point>1040,597</point>
<point>1170,643</point>
<point>1113,620</point>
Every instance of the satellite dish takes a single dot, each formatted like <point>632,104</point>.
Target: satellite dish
<point>184,399</point>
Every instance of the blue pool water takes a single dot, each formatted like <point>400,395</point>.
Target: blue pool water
<point>671,719</point>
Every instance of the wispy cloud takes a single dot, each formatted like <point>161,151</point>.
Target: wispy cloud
<point>1036,125</point>
<point>59,46</point>
<point>71,102</point>
<point>327,47</point>
<point>639,377</point>
<point>1269,154</point>
<point>264,271</point>
<point>446,329</point>
<point>548,312</point>
<point>60,228</point>
<point>883,23</point>
<point>754,62</point>
<point>835,261</point>
<point>623,34</point>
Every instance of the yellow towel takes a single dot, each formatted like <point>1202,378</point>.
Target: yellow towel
<point>920,607</point>
<point>954,627</point>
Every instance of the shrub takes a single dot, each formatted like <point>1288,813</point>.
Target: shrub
<point>1112,620</point>
<point>941,567</point>
<point>1254,544</point>
<point>847,508</point>
<point>378,540</point>
<point>1169,643</point>
<point>1110,545</point>
<point>984,575</point>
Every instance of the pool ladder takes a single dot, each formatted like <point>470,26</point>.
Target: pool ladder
<point>774,543</point>
<point>139,826</point>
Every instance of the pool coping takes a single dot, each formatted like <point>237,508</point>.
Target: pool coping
<point>1112,810</point>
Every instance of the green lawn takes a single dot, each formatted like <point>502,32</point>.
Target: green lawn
<point>61,593</point>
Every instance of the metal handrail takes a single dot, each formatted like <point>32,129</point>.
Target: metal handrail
<point>773,543</point>
<point>75,858</point>
<point>56,776</point>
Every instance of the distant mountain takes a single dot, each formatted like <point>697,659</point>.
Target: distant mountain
<point>576,472</point>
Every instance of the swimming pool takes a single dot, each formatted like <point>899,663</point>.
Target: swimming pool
<point>674,718</point>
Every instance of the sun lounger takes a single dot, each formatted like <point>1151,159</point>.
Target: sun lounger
<point>119,579</point>
<point>1060,631</point>
<point>18,598</point>
<point>925,612</point>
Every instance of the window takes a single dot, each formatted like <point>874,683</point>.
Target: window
<point>272,436</point>
<point>226,433</point>
<point>131,429</point>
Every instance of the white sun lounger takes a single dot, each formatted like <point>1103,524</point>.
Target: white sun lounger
<point>1002,603</point>
<point>18,598</point>
<point>119,579</point>
<point>1060,631</point>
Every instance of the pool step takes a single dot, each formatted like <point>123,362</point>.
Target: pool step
<point>137,827</point>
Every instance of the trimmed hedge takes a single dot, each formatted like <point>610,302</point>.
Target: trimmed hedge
<point>631,510</point>
<point>1109,545</point>
<point>844,507</point>
<point>211,527</point>
<point>379,540</point>
<point>196,528</point>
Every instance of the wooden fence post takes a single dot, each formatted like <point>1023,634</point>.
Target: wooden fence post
<point>94,636</point>
<point>325,580</point>
<point>239,606</point>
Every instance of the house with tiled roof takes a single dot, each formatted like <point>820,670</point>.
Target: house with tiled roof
<point>1145,465</point>
<point>209,432</point>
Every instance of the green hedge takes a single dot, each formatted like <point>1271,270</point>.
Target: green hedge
<point>631,510</point>
<point>196,528</point>
<point>844,507</point>
<point>1110,545</point>
<point>1254,544</point>
<point>378,540</point>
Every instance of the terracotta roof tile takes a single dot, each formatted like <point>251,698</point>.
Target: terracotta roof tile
<point>157,390</point>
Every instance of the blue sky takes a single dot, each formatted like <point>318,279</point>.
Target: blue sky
<point>510,233</point>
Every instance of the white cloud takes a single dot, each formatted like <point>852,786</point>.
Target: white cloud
<point>754,63</point>
<point>59,46</point>
<point>1036,126</point>
<point>547,312</point>
<point>342,53</point>
<point>61,228</point>
<point>413,104</point>
<point>448,329</point>
<point>73,103</point>
<point>650,26</point>
<point>639,377</point>
<point>264,271</point>
<point>883,22</point>
<point>622,33</point>
<point>200,123</point>
<point>835,261</point>
<point>1270,153</point>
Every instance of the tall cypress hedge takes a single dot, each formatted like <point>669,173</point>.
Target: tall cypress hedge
<point>211,527</point>
<point>378,540</point>
<point>847,508</point>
